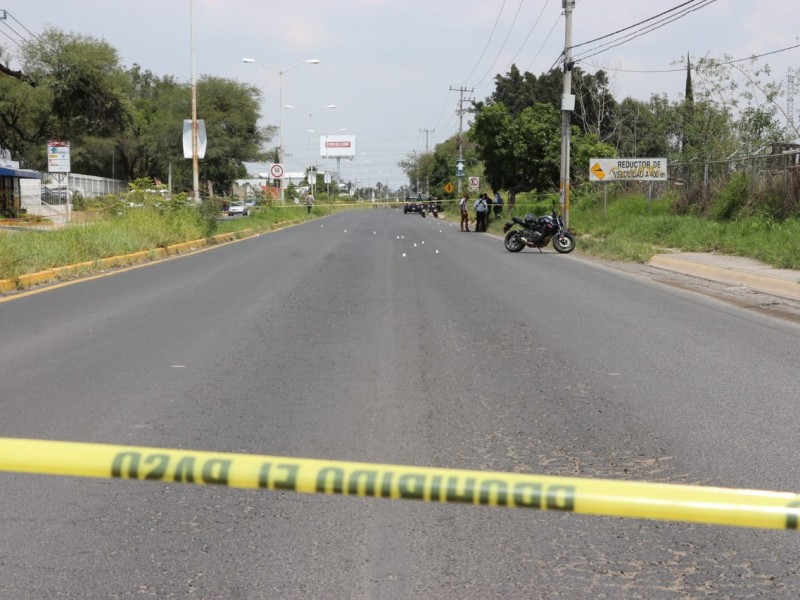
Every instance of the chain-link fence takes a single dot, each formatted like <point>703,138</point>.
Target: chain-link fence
<point>767,181</point>
<point>88,186</point>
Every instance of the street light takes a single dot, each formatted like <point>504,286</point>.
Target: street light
<point>280,72</point>
<point>311,135</point>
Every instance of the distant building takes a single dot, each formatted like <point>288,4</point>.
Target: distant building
<point>13,182</point>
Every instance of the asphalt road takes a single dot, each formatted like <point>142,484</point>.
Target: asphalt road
<point>378,336</point>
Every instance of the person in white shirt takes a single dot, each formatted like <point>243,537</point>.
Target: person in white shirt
<point>481,212</point>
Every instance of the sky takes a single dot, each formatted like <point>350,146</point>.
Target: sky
<point>393,68</point>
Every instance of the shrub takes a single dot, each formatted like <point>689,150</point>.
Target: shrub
<point>731,199</point>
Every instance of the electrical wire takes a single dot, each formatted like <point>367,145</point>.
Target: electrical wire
<point>527,37</point>
<point>12,40</point>
<point>681,69</point>
<point>632,36</point>
<point>30,33</point>
<point>491,34</point>
<point>510,28</point>
<point>634,25</point>
<point>539,51</point>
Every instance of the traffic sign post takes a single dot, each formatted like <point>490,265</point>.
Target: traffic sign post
<point>474,183</point>
<point>276,172</point>
<point>59,166</point>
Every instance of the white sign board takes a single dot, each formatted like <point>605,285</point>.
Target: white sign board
<point>474,183</point>
<point>337,146</point>
<point>187,138</point>
<point>58,160</point>
<point>627,169</point>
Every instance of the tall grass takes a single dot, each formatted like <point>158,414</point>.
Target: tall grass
<point>634,229</point>
<point>124,231</point>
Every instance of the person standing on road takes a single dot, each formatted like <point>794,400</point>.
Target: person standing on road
<point>481,211</point>
<point>462,204</point>
<point>309,201</point>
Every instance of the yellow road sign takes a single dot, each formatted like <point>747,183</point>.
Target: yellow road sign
<point>449,187</point>
<point>598,172</point>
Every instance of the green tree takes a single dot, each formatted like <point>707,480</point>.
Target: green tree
<point>69,88</point>
<point>646,128</point>
<point>442,172</point>
<point>519,153</point>
<point>84,77</point>
<point>155,138</point>
<point>522,153</point>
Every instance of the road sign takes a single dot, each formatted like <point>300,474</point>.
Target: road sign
<point>460,168</point>
<point>276,171</point>
<point>474,182</point>
<point>202,139</point>
<point>627,169</point>
<point>449,187</point>
<point>58,159</point>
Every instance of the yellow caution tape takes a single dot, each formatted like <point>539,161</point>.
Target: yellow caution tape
<point>722,506</point>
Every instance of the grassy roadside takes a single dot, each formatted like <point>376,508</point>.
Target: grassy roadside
<point>24,252</point>
<point>633,230</point>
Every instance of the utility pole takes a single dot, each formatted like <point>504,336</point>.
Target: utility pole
<point>461,111</point>
<point>427,179</point>
<point>567,106</point>
<point>790,98</point>
<point>195,163</point>
<point>426,132</point>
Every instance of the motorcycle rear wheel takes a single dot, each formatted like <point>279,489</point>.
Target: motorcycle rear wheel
<point>513,241</point>
<point>564,242</point>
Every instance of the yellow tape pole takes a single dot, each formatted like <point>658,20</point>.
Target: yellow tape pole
<point>721,506</point>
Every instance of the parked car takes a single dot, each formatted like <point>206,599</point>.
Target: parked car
<point>237,208</point>
<point>412,204</point>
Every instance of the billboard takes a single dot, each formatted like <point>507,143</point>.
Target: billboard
<point>337,146</point>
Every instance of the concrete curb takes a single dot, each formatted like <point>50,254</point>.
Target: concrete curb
<point>31,279</point>
<point>734,271</point>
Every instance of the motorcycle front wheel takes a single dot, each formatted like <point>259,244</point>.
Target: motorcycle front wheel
<point>564,243</point>
<point>513,241</point>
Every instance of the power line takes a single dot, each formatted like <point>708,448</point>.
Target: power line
<point>510,28</point>
<point>530,66</point>
<point>4,15</point>
<point>491,34</point>
<point>632,36</point>
<point>11,39</point>
<point>681,69</point>
<point>684,9</point>
<point>527,37</point>
<point>634,25</point>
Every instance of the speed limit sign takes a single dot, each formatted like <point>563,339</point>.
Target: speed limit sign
<point>276,171</point>
<point>474,183</point>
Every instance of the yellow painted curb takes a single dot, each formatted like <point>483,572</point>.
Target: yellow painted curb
<point>31,279</point>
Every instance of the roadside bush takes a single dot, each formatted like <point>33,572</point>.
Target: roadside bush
<point>731,199</point>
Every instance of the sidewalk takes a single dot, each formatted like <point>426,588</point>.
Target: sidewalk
<point>733,271</point>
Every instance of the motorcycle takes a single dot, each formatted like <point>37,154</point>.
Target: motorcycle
<point>429,207</point>
<point>537,233</point>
